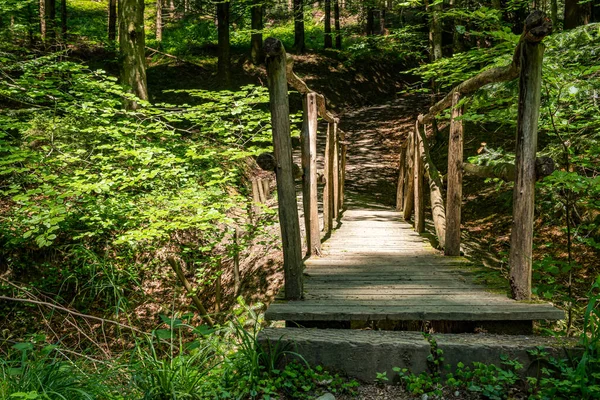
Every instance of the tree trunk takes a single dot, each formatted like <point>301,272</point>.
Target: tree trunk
<point>436,31</point>
<point>299,45</point>
<point>132,47</point>
<point>328,42</point>
<point>336,18</point>
<point>286,190</point>
<point>382,16</point>
<point>63,18</point>
<point>224,57</point>
<point>521,240</point>
<point>370,21</point>
<point>43,27</point>
<point>159,27</point>
<point>112,20</point>
<point>577,14</point>
<point>257,37</point>
<point>554,13</point>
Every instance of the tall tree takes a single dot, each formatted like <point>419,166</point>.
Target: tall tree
<point>63,18</point>
<point>223,52</point>
<point>328,41</point>
<point>336,18</point>
<point>299,45</point>
<point>257,26</point>
<point>370,20</point>
<point>132,43</point>
<point>159,23</point>
<point>112,20</point>
<point>577,13</point>
<point>47,18</point>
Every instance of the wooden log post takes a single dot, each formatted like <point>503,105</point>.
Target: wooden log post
<point>309,178</point>
<point>286,191</point>
<point>401,172</point>
<point>328,208</point>
<point>343,150</point>
<point>409,192</point>
<point>418,183</point>
<point>530,81</point>
<point>336,173</point>
<point>436,194</point>
<point>454,195</point>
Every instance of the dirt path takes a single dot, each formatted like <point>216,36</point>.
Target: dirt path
<point>375,134</point>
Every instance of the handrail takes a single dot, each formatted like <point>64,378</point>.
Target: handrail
<point>526,64</point>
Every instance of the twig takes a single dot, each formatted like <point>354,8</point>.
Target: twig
<point>78,314</point>
<point>175,57</point>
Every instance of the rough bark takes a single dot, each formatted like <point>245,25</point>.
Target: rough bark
<point>286,191</point>
<point>159,23</point>
<point>370,21</point>
<point>112,20</point>
<point>419,203</point>
<point>299,45</point>
<point>336,18</point>
<point>409,193</point>
<point>436,31</point>
<point>257,37</point>
<point>132,48</point>
<point>328,40</point>
<point>224,48</point>
<point>521,242</point>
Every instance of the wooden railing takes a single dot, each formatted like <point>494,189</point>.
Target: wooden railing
<point>415,161</point>
<point>280,73</point>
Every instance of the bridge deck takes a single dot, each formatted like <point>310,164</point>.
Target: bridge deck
<point>376,268</point>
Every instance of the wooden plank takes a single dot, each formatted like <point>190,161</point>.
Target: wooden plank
<point>309,182</point>
<point>286,189</point>
<point>454,194</point>
<point>418,313</point>
<point>521,239</point>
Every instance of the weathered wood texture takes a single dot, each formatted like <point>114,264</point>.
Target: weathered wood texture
<point>521,240</point>
<point>328,191</point>
<point>438,209</point>
<point>343,154</point>
<point>375,267</point>
<point>409,193</point>
<point>401,174</point>
<point>309,181</point>
<point>454,195</point>
<point>418,183</point>
<point>336,172</point>
<point>288,205</point>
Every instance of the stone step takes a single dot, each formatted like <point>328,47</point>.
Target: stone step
<point>361,354</point>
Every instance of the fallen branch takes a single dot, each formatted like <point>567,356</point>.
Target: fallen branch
<point>544,166</point>
<point>175,57</point>
<point>186,284</point>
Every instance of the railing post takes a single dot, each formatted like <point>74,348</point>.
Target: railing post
<point>286,191</point>
<point>409,193</point>
<point>401,172</point>
<point>328,208</point>
<point>336,172</point>
<point>309,179</point>
<point>521,240</point>
<point>342,186</point>
<point>418,184</point>
<point>455,175</point>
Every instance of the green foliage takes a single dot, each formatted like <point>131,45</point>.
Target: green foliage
<point>32,370</point>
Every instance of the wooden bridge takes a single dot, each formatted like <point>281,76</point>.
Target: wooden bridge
<point>376,270</point>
